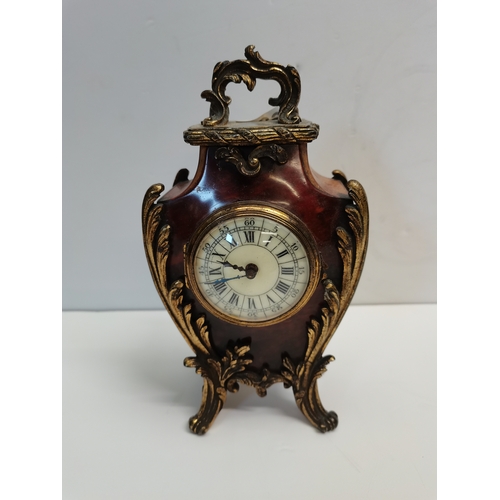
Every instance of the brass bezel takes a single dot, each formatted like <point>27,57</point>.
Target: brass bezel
<point>243,209</point>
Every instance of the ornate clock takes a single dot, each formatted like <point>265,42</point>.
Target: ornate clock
<point>256,257</point>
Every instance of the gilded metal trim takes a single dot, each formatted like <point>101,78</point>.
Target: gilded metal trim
<point>248,133</point>
<point>302,376</point>
<point>254,209</point>
<point>156,245</point>
<point>252,166</point>
<point>216,371</point>
<point>247,71</point>
<point>283,127</point>
<point>222,373</point>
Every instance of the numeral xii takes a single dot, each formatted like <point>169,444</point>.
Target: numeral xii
<point>250,236</point>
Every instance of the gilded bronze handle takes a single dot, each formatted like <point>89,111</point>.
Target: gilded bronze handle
<point>247,71</point>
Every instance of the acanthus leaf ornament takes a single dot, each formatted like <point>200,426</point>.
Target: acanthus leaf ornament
<point>302,377</point>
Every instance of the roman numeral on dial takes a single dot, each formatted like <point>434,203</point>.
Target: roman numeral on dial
<point>250,236</point>
<point>215,271</point>
<point>234,299</point>
<point>281,254</point>
<point>220,288</point>
<point>287,271</point>
<point>282,287</point>
<point>251,303</point>
<point>232,242</point>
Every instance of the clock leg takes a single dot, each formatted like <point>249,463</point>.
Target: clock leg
<point>309,403</point>
<point>220,374</point>
<point>212,401</point>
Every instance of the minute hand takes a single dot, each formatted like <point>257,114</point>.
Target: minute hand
<point>223,280</point>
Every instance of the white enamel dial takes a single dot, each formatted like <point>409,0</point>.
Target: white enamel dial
<point>252,268</point>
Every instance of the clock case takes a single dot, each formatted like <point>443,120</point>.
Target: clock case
<point>260,162</point>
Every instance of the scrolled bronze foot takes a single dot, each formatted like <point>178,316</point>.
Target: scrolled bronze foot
<point>310,405</point>
<point>220,374</point>
<point>212,401</point>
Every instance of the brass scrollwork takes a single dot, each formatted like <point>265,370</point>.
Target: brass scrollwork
<point>247,71</point>
<point>252,166</point>
<point>303,376</point>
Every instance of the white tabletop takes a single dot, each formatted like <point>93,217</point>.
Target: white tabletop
<point>128,397</point>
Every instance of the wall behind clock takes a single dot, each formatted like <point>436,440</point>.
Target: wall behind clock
<point>132,77</point>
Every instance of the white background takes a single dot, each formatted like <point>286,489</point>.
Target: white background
<point>132,77</point>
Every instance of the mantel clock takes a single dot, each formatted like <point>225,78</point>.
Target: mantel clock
<point>256,257</point>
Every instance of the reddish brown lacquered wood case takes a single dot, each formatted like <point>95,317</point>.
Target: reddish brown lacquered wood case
<point>260,164</point>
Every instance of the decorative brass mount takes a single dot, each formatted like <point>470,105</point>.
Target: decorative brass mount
<point>285,127</point>
<point>251,166</point>
<point>248,71</point>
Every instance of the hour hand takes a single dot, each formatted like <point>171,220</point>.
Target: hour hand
<point>227,264</point>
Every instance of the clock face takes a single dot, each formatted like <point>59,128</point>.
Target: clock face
<point>254,265</point>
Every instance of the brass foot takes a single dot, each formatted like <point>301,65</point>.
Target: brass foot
<point>220,374</point>
<point>310,405</point>
<point>212,401</point>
